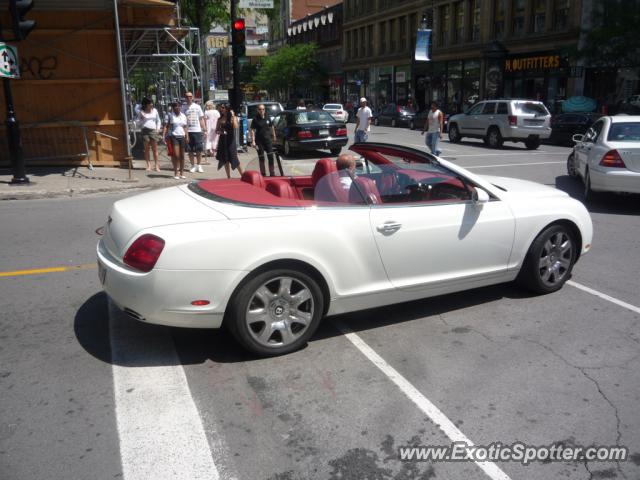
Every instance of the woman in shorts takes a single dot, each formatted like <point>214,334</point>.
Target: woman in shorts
<point>149,120</point>
<point>175,131</point>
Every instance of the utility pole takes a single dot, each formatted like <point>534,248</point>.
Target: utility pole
<point>235,99</point>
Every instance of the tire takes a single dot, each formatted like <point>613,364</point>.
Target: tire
<point>412,126</point>
<point>393,123</point>
<point>454,133</point>
<point>589,194</point>
<point>376,122</point>
<point>336,151</point>
<point>549,261</point>
<point>276,331</point>
<point>571,165</point>
<point>494,138</point>
<point>288,151</point>
<point>532,144</point>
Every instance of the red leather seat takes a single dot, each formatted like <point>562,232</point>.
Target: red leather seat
<point>323,167</point>
<point>326,183</point>
<point>363,186</point>
<point>281,188</point>
<point>254,178</point>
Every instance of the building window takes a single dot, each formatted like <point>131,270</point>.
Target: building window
<point>354,43</point>
<point>370,40</point>
<point>363,42</point>
<point>560,14</point>
<point>518,17</point>
<point>403,33</point>
<point>383,37</point>
<point>475,20</point>
<point>393,33</point>
<point>498,23</point>
<point>539,15</point>
<point>444,25</point>
<point>459,19</point>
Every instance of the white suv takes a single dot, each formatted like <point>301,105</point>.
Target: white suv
<point>497,121</point>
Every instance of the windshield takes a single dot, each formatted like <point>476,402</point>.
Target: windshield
<point>314,116</point>
<point>535,108</point>
<point>333,106</point>
<point>624,132</point>
<point>272,109</point>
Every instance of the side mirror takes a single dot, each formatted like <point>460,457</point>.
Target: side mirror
<point>480,196</point>
<point>577,138</point>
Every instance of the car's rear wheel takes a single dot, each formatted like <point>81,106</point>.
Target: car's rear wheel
<point>549,261</point>
<point>494,138</point>
<point>532,144</point>
<point>571,165</point>
<point>276,312</point>
<point>454,133</point>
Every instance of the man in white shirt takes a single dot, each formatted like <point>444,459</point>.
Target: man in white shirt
<point>195,127</point>
<point>363,121</point>
<point>346,165</point>
<point>434,126</point>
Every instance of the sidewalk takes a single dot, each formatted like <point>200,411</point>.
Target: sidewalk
<point>51,182</point>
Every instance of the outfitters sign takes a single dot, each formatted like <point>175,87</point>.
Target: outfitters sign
<point>541,62</point>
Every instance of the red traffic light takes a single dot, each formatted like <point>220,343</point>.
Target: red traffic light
<point>238,24</point>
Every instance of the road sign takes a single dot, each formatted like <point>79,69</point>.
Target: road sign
<point>9,64</point>
<point>256,3</point>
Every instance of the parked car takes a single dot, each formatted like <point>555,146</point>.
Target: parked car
<point>270,257</point>
<point>417,122</point>
<point>607,157</point>
<point>497,121</point>
<point>249,109</point>
<point>395,115</point>
<point>337,111</point>
<point>309,130</point>
<point>566,125</point>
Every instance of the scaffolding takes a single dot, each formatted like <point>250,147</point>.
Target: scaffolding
<point>166,58</point>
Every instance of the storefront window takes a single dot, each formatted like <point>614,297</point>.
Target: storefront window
<point>470,83</point>
<point>498,23</point>
<point>438,82</point>
<point>454,87</point>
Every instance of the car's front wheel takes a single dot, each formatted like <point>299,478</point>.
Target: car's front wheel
<point>549,261</point>
<point>571,165</point>
<point>276,312</point>
<point>532,144</point>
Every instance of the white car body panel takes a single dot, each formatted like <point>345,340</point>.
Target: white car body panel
<point>212,246</point>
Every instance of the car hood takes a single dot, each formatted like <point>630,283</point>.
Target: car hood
<point>520,188</point>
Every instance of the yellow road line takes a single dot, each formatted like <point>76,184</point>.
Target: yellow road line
<point>38,271</point>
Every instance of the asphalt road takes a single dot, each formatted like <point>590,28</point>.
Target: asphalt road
<point>87,393</point>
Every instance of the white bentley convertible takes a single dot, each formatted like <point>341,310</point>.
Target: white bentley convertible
<point>270,257</point>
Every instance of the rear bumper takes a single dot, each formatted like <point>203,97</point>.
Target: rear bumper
<point>319,143</point>
<point>164,297</point>
<point>615,180</point>
<point>524,133</point>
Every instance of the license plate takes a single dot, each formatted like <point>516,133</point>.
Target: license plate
<point>102,273</point>
<point>324,132</point>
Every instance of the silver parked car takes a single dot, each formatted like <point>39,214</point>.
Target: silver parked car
<point>498,121</point>
<point>607,157</point>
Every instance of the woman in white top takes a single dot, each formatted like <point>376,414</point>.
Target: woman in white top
<point>211,115</point>
<point>150,123</point>
<point>176,135</point>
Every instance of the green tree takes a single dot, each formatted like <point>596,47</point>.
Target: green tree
<point>205,13</point>
<point>613,39</point>
<point>290,68</point>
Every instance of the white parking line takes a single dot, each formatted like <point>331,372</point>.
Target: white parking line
<point>604,296</point>
<point>160,429</point>
<point>514,154</point>
<point>422,402</point>
<point>510,165</point>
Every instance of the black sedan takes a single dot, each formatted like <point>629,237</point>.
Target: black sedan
<point>309,130</point>
<point>395,115</point>
<point>566,125</point>
<point>417,123</point>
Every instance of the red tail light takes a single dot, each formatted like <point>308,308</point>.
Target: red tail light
<point>339,112</point>
<point>304,134</point>
<point>612,159</point>
<point>398,109</point>
<point>341,132</point>
<point>144,252</point>
<point>513,120</point>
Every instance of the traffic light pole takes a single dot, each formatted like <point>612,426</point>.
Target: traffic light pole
<point>13,135</point>
<point>235,100</point>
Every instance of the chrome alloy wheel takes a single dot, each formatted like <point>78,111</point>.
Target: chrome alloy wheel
<point>279,311</point>
<point>555,258</point>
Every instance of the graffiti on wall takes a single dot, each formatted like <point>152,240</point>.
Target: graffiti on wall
<point>41,68</point>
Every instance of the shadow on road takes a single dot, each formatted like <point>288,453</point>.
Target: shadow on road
<point>145,343</point>
<point>613,203</point>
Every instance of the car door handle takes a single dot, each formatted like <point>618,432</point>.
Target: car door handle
<point>389,227</point>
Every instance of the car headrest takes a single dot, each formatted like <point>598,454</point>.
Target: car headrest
<point>281,188</point>
<point>364,187</point>
<point>254,178</point>
<point>323,167</point>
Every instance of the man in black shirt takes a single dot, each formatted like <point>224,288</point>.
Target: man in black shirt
<point>262,133</point>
